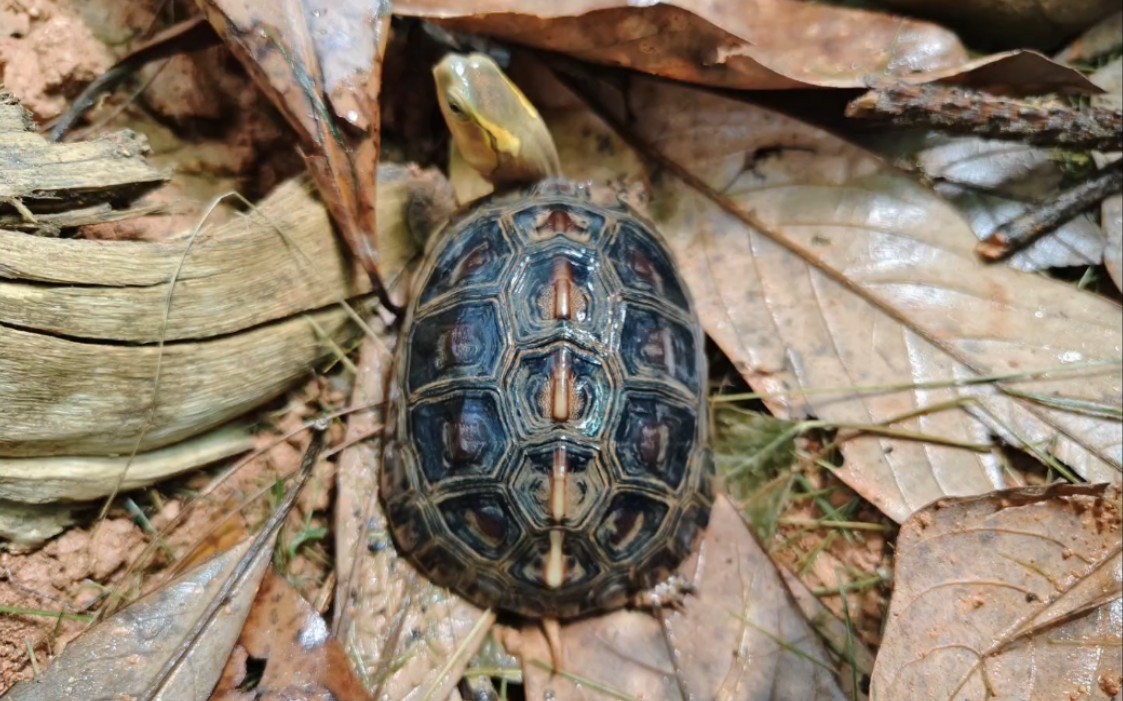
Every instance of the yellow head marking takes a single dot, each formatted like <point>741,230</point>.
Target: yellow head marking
<point>497,130</point>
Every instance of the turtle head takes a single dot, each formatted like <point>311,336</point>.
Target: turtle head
<point>496,129</point>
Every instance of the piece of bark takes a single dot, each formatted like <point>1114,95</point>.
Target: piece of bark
<point>958,110</point>
<point>47,177</point>
<point>278,260</point>
<point>50,479</point>
<point>81,321</point>
<point>1015,235</point>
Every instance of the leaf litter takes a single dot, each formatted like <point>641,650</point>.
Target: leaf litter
<point>794,157</point>
<point>749,44</point>
<point>814,265</point>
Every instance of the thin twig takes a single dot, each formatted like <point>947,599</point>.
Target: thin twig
<point>1018,233</point>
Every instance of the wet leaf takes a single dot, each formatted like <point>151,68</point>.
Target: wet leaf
<point>301,660</point>
<point>991,182</point>
<point>739,637</point>
<point>1078,242</point>
<point>750,44</point>
<point>410,639</point>
<point>835,284</point>
<point>170,645</point>
<point>987,588</point>
<point>320,63</point>
<point>1110,78</point>
<point>856,659</point>
<point>1097,41</point>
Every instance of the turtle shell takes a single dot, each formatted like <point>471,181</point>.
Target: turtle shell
<point>546,445</point>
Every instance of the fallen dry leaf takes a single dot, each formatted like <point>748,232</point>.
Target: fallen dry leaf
<point>853,276</point>
<point>1016,594</point>
<point>740,636</point>
<point>170,645</point>
<point>301,660</point>
<point>1039,23</point>
<point>749,44</point>
<point>320,63</point>
<point>411,640</point>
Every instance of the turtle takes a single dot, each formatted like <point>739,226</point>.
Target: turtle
<point>546,449</point>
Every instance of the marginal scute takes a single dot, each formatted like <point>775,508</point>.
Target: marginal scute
<point>547,448</point>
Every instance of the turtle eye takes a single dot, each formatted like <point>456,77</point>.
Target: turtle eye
<point>456,109</point>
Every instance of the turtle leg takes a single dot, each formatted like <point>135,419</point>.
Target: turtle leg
<point>551,627</point>
<point>670,593</point>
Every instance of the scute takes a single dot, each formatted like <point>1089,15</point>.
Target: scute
<point>461,434</point>
<point>644,265</point>
<point>546,452</point>
<point>475,257</point>
<point>654,438</point>
<point>459,342</point>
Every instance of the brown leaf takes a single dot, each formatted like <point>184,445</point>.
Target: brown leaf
<point>169,645</point>
<point>739,637</point>
<point>836,633</point>
<point>320,63</point>
<point>1016,594</point>
<point>301,660</point>
<point>411,640</point>
<point>1039,23</point>
<point>847,275</point>
<point>750,44</point>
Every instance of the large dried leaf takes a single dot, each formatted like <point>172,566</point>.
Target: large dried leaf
<point>749,44</point>
<point>321,65</point>
<point>410,639</point>
<point>1015,595</point>
<point>852,275</point>
<point>171,644</point>
<point>741,636</point>
<point>168,646</point>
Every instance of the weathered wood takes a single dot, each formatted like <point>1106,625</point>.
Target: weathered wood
<point>45,480</point>
<point>275,261</point>
<point>63,397</point>
<point>46,176</point>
